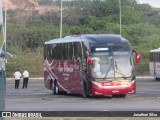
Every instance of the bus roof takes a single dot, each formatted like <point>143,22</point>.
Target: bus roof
<point>105,39</point>
<point>155,50</point>
<point>63,40</point>
<point>92,39</point>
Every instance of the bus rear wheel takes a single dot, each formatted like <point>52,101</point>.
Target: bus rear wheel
<point>55,89</point>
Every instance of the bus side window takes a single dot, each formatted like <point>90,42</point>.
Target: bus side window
<point>69,49</point>
<point>157,57</point>
<point>78,50</point>
<point>154,57</point>
<point>72,51</point>
<point>150,57</point>
<point>49,52</point>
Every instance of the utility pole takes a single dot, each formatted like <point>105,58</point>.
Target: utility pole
<point>120,16</point>
<point>2,60</point>
<point>61,21</point>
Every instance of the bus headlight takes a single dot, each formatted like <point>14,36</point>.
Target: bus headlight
<point>131,83</point>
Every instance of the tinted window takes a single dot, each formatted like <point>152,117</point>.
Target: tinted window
<point>63,51</point>
<point>77,50</point>
<point>154,56</point>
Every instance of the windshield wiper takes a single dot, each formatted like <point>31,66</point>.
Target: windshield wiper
<point>123,76</point>
<point>111,66</point>
<point>115,68</point>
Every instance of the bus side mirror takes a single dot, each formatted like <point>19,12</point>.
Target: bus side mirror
<point>138,57</point>
<point>89,60</point>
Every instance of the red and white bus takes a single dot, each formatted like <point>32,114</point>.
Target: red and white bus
<point>154,63</point>
<point>68,65</point>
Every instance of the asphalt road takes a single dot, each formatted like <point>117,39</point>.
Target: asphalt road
<point>38,98</point>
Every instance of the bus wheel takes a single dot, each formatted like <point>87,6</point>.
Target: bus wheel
<point>55,88</point>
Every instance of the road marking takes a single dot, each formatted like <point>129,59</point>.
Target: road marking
<point>149,93</point>
<point>147,101</point>
<point>99,101</point>
<point>105,110</point>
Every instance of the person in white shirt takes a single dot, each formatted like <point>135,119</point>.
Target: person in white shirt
<point>96,68</point>
<point>17,77</point>
<point>25,79</point>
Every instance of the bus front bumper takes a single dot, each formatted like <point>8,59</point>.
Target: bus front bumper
<point>99,90</point>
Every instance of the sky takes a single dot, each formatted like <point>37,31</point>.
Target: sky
<point>153,3</point>
<point>1,13</point>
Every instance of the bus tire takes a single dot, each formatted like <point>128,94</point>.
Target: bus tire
<point>55,90</point>
<point>52,88</point>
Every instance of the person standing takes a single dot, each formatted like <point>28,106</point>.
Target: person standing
<point>25,79</point>
<point>17,77</point>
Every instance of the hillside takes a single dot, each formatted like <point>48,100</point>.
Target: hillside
<point>27,5</point>
<point>28,28</point>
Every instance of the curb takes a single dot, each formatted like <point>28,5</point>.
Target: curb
<point>144,77</point>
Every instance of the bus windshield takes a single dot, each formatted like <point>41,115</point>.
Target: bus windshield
<point>113,62</point>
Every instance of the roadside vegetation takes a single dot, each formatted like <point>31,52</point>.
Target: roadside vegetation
<point>27,34</point>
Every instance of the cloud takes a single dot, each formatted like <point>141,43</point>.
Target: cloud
<point>153,3</point>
